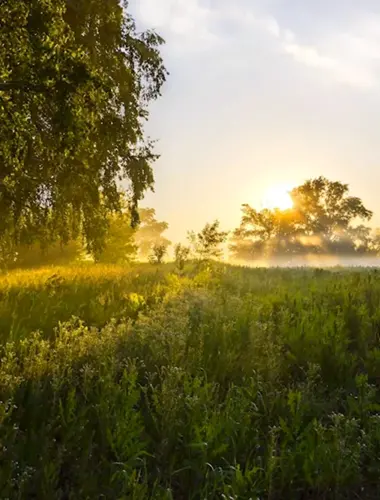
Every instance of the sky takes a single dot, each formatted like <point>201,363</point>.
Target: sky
<point>261,93</point>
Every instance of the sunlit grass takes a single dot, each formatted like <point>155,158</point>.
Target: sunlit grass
<point>212,382</point>
<point>38,299</point>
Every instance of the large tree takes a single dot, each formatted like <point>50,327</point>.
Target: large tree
<point>324,220</point>
<point>75,81</point>
<point>327,210</point>
<point>263,233</point>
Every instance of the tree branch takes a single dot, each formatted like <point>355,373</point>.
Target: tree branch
<point>26,86</point>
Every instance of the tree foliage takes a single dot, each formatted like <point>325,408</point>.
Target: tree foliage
<point>158,253</point>
<point>265,232</point>
<point>325,208</point>
<point>207,243</point>
<point>181,255</point>
<point>57,254</point>
<point>75,82</point>
<point>150,232</point>
<point>119,245</point>
<point>324,219</point>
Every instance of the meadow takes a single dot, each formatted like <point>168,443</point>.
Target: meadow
<point>147,382</point>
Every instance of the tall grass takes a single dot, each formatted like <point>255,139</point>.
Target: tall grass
<point>219,382</point>
<point>33,300</point>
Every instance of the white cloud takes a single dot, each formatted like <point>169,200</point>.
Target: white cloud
<point>152,13</point>
<point>341,70</point>
<point>351,57</point>
<point>184,22</point>
<point>345,65</point>
<point>308,55</point>
<point>272,26</point>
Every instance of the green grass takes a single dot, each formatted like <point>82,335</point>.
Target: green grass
<point>221,382</point>
<point>33,300</point>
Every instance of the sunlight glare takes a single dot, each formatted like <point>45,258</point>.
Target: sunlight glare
<point>278,197</point>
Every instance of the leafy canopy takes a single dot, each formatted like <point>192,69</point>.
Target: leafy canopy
<point>75,82</point>
<point>323,219</point>
<point>207,243</point>
<point>326,208</point>
<point>119,244</point>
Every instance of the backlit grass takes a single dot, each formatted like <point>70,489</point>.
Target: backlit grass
<point>219,382</point>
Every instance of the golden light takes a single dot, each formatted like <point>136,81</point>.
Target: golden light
<point>278,197</point>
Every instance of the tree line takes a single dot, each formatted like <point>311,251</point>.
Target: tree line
<point>324,220</point>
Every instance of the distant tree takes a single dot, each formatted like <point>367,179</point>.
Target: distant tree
<point>181,255</point>
<point>326,210</point>
<point>322,221</point>
<point>375,242</point>
<point>264,233</point>
<point>56,254</point>
<point>158,253</point>
<point>207,243</point>
<point>119,246</point>
<point>35,254</point>
<point>75,82</point>
<point>44,247</point>
<point>150,233</point>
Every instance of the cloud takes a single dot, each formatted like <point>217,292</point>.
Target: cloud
<point>272,26</point>
<point>341,66</point>
<point>351,58</point>
<point>183,22</point>
<point>350,55</point>
<point>341,69</point>
<point>308,55</point>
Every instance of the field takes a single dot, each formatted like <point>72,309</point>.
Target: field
<point>215,382</point>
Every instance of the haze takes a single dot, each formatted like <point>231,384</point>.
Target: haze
<point>262,93</point>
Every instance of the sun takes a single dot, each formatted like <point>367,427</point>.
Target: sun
<point>278,197</point>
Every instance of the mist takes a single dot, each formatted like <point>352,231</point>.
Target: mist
<point>312,261</point>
